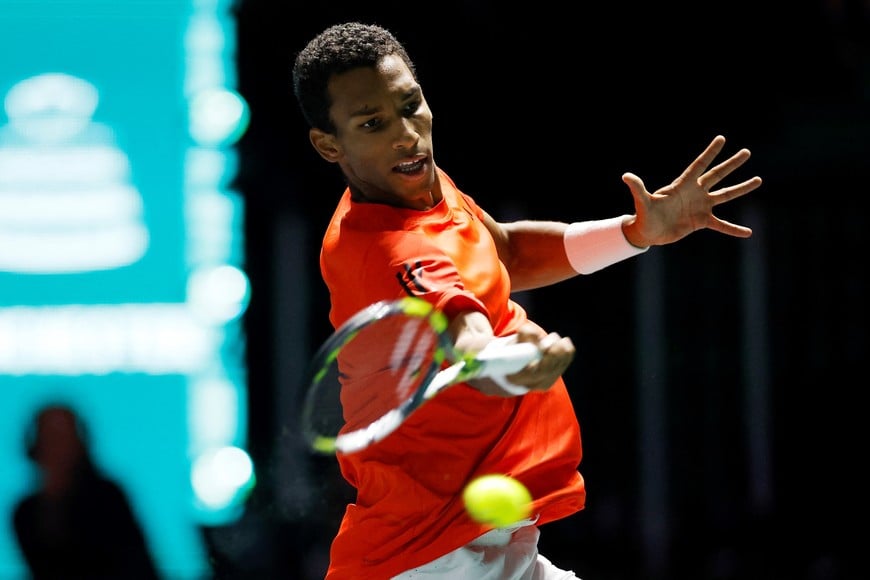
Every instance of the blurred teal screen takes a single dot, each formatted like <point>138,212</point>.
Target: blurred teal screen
<point>122,283</point>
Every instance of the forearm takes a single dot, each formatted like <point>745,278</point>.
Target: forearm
<point>545,252</point>
<point>536,254</point>
<point>471,331</point>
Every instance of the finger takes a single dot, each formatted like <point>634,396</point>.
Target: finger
<point>703,161</point>
<point>530,333</point>
<point>722,170</point>
<point>556,351</point>
<point>728,228</point>
<point>735,191</point>
<point>635,185</point>
<point>554,342</point>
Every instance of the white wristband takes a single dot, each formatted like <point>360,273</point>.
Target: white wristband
<point>593,245</point>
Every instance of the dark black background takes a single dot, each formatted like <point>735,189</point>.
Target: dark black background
<point>759,345</point>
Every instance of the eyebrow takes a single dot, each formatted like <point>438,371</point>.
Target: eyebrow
<point>365,110</point>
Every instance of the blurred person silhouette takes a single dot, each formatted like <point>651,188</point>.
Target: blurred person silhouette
<point>79,523</point>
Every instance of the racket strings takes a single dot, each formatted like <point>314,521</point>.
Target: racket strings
<point>413,353</point>
<point>373,374</point>
<point>381,368</point>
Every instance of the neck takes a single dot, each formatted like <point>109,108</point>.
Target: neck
<point>425,201</point>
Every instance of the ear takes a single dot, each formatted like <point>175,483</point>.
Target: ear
<point>324,143</point>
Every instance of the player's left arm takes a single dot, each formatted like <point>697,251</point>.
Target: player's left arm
<point>686,204</point>
<point>540,253</point>
<point>532,251</point>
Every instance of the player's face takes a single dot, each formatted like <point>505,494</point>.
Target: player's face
<point>383,139</point>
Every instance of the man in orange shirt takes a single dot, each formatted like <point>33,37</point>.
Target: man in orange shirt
<point>402,227</point>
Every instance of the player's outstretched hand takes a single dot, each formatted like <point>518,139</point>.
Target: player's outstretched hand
<point>686,205</point>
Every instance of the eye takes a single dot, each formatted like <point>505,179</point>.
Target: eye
<point>411,108</point>
<point>372,123</point>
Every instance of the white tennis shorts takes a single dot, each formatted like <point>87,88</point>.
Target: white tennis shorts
<point>500,554</point>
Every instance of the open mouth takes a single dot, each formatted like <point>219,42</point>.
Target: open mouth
<point>410,167</point>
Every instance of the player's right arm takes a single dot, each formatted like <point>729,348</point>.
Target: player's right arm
<point>471,332</point>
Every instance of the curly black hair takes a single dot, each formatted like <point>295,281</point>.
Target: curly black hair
<point>336,50</point>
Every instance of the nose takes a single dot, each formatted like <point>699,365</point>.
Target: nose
<point>407,135</point>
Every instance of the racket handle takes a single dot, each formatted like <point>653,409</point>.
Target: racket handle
<point>505,356</point>
<point>509,387</point>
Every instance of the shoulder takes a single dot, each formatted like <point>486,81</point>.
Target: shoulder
<point>106,490</point>
<point>457,198</point>
<point>25,505</point>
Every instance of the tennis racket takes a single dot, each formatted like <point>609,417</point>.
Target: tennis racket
<point>385,362</point>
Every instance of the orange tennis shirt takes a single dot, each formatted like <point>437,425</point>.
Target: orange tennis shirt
<point>408,508</point>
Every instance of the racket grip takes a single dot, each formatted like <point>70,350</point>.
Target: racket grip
<point>505,356</point>
<point>509,387</point>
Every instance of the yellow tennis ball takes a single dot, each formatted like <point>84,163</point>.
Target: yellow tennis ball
<point>498,500</point>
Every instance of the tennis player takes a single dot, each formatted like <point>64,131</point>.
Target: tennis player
<point>403,227</point>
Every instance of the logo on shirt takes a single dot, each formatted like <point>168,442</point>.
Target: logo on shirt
<point>411,279</point>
